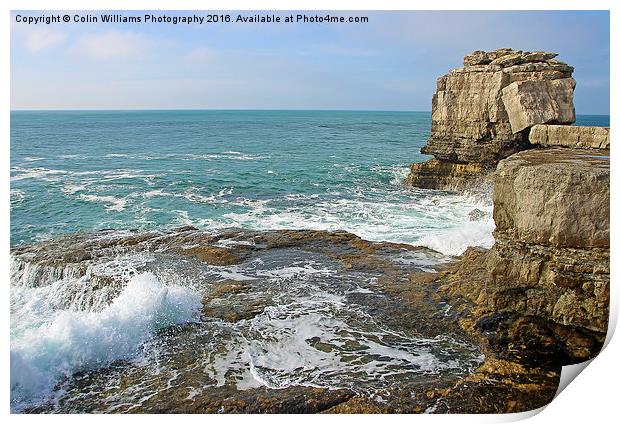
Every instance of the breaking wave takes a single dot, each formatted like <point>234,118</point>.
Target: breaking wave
<point>55,343</point>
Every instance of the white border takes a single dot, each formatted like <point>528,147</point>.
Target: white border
<point>591,398</point>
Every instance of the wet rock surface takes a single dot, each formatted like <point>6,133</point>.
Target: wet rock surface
<point>302,321</point>
<point>515,318</point>
<point>440,175</point>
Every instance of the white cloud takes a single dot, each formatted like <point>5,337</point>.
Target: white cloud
<point>39,39</point>
<point>113,45</point>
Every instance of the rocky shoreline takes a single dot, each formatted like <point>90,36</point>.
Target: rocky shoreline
<point>487,332</point>
<point>417,295</point>
<point>541,293</point>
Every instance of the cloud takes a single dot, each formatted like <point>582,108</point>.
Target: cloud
<point>39,39</point>
<point>113,45</point>
<point>391,63</point>
<point>201,55</point>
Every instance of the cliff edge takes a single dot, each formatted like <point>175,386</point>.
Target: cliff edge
<point>541,293</point>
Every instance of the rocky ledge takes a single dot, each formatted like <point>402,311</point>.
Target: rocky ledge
<point>545,282</point>
<point>482,113</point>
<point>570,136</point>
<point>453,176</point>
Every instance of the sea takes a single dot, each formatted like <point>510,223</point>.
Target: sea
<point>153,170</point>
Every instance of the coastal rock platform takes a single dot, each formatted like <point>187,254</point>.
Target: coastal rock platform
<point>290,321</point>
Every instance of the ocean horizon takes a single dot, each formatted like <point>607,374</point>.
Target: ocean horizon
<point>119,169</point>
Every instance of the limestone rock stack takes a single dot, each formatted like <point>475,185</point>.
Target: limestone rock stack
<point>542,291</point>
<point>482,113</point>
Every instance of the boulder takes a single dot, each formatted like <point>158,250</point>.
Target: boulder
<point>478,57</point>
<point>538,56</point>
<point>509,59</point>
<point>534,102</point>
<point>553,197</point>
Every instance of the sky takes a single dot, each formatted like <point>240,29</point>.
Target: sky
<point>390,63</point>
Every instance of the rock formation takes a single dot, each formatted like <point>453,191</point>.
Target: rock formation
<point>569,136</point>
<point>552,235</point>
<point>482,112</point>
<point>452,176</point>
<point>533,102</point>
<point>541,293</point>
<point>545,283</point>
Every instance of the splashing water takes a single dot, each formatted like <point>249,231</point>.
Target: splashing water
<point>317,325</point>
<point>52,344</point>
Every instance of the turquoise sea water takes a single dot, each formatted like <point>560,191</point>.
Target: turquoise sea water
<point>89,170</point>
<point>122,170</point>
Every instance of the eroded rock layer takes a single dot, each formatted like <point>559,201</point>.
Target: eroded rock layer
<point>436,174</point>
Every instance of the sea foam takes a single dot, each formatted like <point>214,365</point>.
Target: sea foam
<point>455,241</point>
<point>71,341</point>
